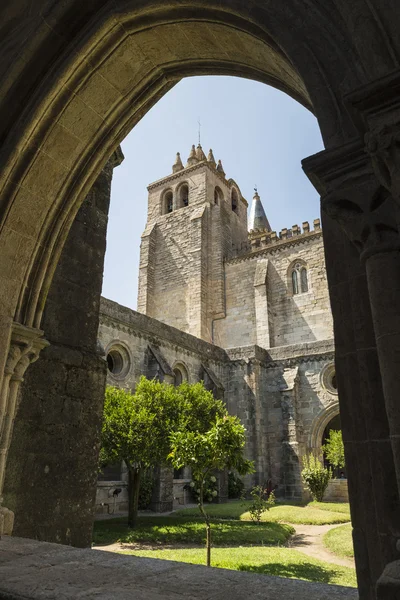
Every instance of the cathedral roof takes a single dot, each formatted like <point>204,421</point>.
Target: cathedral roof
<point>258,218</point>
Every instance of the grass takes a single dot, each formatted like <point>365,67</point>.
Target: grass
<point>314,513</point>
<point>267,561</point>
<point>339,541</point>
<point>182,530</point>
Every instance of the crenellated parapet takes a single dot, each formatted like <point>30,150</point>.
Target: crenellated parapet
<point>260,239</point>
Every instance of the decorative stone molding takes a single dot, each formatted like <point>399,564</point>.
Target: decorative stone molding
<point>25,346</point>
<point>367,216</point>
<point>378,105</point>
<point>354,198</point>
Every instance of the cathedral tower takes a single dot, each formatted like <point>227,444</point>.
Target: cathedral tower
<point>195,217</point>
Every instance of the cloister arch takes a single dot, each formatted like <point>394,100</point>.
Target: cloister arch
<point>88,74</point>
<point>319,424</point>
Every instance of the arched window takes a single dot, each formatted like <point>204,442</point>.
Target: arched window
<point>234,200</point>
<point>178,377</point>
<point>167,202</point>
<point>299,279</point>
<point>218,195</point>
<point>184,195</point>
<point>180,373</point>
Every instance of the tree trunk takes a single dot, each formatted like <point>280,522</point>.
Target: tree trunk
<point>208,526</point>
<point>133,495</point>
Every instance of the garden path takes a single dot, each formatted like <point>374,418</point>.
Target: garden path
<point>308,539</point>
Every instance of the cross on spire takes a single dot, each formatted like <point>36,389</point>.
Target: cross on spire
<point>199,124</point>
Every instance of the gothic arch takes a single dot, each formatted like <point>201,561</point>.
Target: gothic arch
<point>113,78</point>
<point>319,424</point>
<point>181,372</point>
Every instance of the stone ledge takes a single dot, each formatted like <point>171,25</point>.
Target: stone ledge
<point>31,570</point>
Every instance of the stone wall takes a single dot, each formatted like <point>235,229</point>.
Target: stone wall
<point>260,305</point>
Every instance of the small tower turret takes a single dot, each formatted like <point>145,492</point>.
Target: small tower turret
<point>220,168</point>
<point>258,218</point>
<point>178,165</point>
<point>211,159</point>
<point>192,159</point>
<point>199,153</point>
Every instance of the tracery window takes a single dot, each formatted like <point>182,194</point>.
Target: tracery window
<point>299,279</point>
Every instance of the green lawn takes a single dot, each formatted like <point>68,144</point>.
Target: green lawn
<point>180,530</point>
<point>314,513</point>
<point>268,561</point>
<point>339,541</point>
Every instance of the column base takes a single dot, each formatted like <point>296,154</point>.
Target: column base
<point>388,585</point>
<point>6,521</point>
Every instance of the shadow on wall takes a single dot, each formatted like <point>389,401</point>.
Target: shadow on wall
<point>172,290</point>
<point>288,324</point>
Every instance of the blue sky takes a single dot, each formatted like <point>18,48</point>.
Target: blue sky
<point>259,133</point>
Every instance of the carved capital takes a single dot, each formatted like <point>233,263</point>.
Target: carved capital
<point>383,146</point>
<point>367,217</point>
<point>25,346</point>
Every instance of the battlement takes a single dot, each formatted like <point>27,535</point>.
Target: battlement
<point>260,239</point>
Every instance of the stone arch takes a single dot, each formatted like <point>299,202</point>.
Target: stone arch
<point>181,372</point>
<point>319,424</point>
<point>218,195</point>
<point>114,76</point>
<point>234,200</point>
<point>82,83</point>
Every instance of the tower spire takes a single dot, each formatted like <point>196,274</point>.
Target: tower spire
<point>177,166</point>
<point>258,218</point>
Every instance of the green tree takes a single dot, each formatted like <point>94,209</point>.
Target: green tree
<point>315,476</point>
<point>219,447</point>
<point>334,449</point>
<point>136,429</point>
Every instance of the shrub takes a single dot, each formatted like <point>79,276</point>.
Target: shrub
<point>315,476</point>
<point>262,500</point>
<point>334,449</point>
<point>235,485</point>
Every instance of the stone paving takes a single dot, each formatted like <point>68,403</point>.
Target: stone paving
<point>31,570</point>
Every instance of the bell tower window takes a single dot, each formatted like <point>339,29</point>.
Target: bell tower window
<point>234,201</point>
<point>167,203</point>
<point>184,195</point>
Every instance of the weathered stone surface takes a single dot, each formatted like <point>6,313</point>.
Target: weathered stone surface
<point>63,395</point>
<point>36,571</point>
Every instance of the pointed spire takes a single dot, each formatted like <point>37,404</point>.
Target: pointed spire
<point>177,166</point>
<point>220,168</point>
<point>192,160</point>
<point>258,218</point>
<point>211,159</point>
<point>199,153</point>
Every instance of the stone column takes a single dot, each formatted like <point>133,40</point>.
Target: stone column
<point>52,465</point>
<point>355,202</point>
<point>26,344</point>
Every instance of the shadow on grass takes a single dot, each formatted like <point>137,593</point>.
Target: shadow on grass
<point>174,530</point>
<point>308,571</point>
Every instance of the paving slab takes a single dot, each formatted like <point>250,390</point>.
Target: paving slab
<point>31,570</point>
